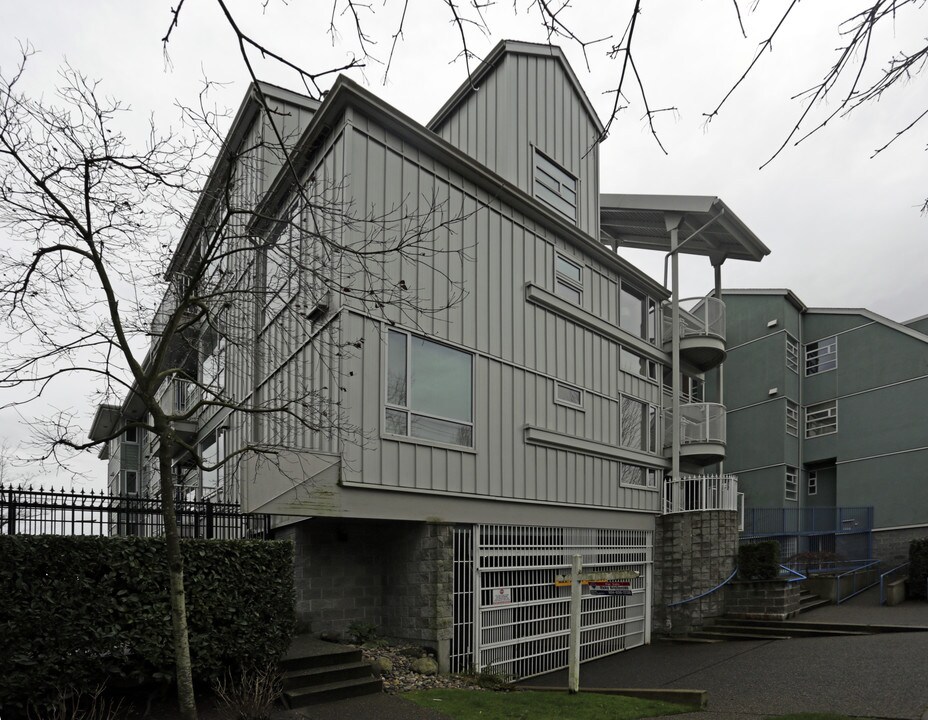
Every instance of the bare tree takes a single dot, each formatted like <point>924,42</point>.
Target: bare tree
<point>94,219</point>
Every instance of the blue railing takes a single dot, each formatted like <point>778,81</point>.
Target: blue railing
<point>854,577</point>
<point>888,574</point>
<point>708,592</point>
<point>799,577</point>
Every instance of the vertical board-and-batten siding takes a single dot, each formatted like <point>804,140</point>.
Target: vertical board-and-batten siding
<point>528,101</point>
<point>521,347</point>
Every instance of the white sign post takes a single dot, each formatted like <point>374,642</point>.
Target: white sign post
<point>573,652</point>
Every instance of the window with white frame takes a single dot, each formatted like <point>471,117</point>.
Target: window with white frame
<point>637,476</point>
<point>792,418</point>
<point>131,478</point>
<point>635,364</point>
<point>821,355</point>
<point>822,419</point>
<point>568,279</point>
<point>554,186</point>
<point>637,313</point>
<point>791,488</point>
<point>792,354</point>
<point>813,482</point>
<point>639,425</point>
<point>429,390</point>
<point>131,435</point>
<point>568,395</point>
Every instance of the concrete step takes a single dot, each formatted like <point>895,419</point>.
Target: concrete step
<point>839,628</point>
<point>332,691</point>
<point>780,630</point>
<point>309,677</point>
<point>740,634</point>
<point>307,652</point>
<point>811,602</point>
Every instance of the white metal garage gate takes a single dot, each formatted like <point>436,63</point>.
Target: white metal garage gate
<point>524,631</point>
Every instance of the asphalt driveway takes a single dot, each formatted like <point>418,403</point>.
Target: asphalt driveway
<point>870,675</point>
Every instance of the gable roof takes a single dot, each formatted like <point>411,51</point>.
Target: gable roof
<point>785,292</point>
<point>489,64</point>
<point>346,93</point>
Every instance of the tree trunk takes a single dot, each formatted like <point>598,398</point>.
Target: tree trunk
<point>182,667</point>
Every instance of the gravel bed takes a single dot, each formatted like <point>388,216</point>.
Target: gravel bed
<point>403,678</point>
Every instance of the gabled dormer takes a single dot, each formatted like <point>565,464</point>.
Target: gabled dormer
<point>524,115</point>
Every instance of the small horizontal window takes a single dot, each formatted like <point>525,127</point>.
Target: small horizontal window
<point>637,476</point>
<point>637,365</point>
<point>568,395</point>
<point>568,280</point>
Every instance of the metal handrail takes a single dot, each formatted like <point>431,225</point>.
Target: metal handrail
<point>853,571</point>
<point>699,317</point>
<point>708,592</point>
<point>799,576</point>
<point>883,581</point>
<point>700,492</point>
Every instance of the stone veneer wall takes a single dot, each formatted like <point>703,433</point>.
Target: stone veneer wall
<point>762,600</point>
<point>892,546</point>
<point>693,553</point>
<point>396,576</point>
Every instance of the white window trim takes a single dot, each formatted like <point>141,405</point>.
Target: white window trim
<point>650,413</point>
<point>650,365</point>
<point>125,437</point>
<point>830,348</point>
<point>648,473</point>
<point>568,281</point>
<point>812,483</point>
<point>566,403</point>
<point>790,405</point>
<point>409,411</point>
<point>791,484</point>
<point>830,412</point>
<point>792,358</point>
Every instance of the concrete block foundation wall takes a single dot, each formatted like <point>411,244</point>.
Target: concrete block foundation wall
<point>396,576</point>
<point>762,600</point>
<point>693,553</point>
<point>892,546</point>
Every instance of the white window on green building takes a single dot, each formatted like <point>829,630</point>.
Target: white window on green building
<point>568,395</point>
<point>555,187</point>
<point>813,482</point>
<point>792,354</point>
<point>429,390</point>
<point>637,476</point>
<point>821,355</point>
<point>791,490</point>
<point>792,418</point>
<point>822,419</point>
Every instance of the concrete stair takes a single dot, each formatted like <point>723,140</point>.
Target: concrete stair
<point>809,601</point>
<point>315,671</point>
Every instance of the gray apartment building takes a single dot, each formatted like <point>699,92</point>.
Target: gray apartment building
<point>826,408</point>
<point>533,402</point>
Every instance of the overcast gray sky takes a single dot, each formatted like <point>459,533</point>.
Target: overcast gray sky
<point>844,230</point>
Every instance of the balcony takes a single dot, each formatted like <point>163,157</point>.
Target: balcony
<point>176,397</point>
<point>701,331</point>
<point>168,305</point>
<point>702,433</point>
<point>699,493</point>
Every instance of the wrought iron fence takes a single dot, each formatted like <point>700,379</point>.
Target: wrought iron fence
<point>813,534</point>
<point>26,511</point>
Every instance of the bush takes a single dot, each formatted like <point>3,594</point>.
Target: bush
<point>759,561</point>
<point>918,569</point>
<point>85,611</point>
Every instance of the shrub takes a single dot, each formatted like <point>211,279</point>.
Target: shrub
<point>759,561</point>
<point>251,694</point>
<point>918,569</point>
<point>84,611</point>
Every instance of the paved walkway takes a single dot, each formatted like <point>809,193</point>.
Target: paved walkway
<point>883,676</point>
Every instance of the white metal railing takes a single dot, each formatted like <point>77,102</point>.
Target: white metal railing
<point>699,317</point>
<point>699,423</point>
<point>700,493</point>
<point>176,396</point>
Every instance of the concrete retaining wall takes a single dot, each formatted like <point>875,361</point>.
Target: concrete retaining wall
<point>762,600</point>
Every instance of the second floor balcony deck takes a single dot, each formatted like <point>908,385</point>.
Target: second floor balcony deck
<point>702,433</point>
<point>701,330</point>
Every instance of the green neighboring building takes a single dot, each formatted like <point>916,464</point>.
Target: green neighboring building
<point>828,407</point>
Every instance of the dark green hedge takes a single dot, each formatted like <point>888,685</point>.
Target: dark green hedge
<point>918,569</point>
<point>759,561</point>
<point>79,611</point>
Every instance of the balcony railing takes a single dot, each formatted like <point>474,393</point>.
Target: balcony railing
<point>699,423</point>
<point>177,396</point>
<point>701,493</point>
<point>168,305</point>
<point>699,317</point>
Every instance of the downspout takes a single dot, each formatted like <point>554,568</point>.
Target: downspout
<point>717,266</point>
<point>673,222</point>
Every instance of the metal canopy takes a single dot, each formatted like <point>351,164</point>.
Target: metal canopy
<point>639,221</point>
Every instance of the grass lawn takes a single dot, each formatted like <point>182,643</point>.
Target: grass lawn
<point>527,705</point>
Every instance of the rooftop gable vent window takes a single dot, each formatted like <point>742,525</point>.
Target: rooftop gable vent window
<point>555,187</point>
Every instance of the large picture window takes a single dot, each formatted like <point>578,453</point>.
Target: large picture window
<point>637,313</point>
<point>429,393</point>
<point>639,425</point>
